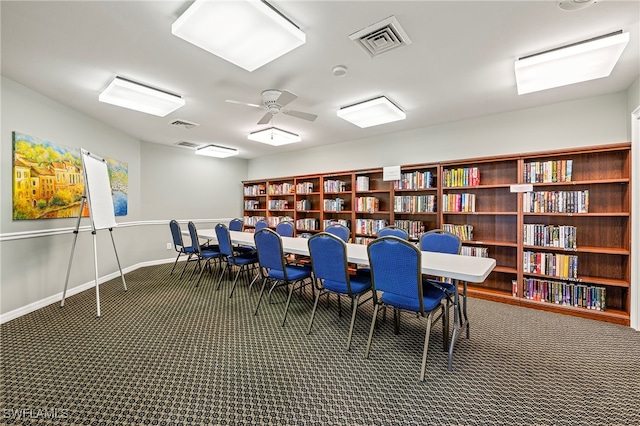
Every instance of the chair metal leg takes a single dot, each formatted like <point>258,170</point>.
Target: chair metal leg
<point>185,264</point>
<point>226,265</point>
<point>313,311</point>
<point>396,321</point>
<point>426,346</point>
<point>235,282</point>
<point>354,302</point>
<point>373,326</point>
<point>264,284</point>
<point>175,263</point>
<point>286,308</point>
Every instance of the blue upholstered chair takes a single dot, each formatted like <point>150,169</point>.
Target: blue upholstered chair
<point>365,271</point>
<point>236,224</point>
<point>261,224</point>
<point>274,270</point>
<point>339,231</point>
<point>440,241</point>
<point>396,274</point>
<point>285,229</point>
<point>232,258</point>
<point>178,245</point>
<point>208,255</point>
<point>331,275</point>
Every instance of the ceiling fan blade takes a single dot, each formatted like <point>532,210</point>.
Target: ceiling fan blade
<point>285,98</point>
<point>267,118</point>
<point>231,101</point>
<point>300,114</point>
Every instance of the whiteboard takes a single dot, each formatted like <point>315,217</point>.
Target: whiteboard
<point>98,191</point>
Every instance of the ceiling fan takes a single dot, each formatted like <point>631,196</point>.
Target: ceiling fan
<point>273,101</point>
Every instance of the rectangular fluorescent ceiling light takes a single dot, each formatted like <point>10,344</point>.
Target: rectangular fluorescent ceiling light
<point>372,112</point>
<point>128,94</point>
<point>274,136</point>
<point>247,33</point>
<point>578,62</point>
<point>216,151</point>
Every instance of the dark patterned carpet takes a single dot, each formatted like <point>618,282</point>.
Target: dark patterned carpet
<point>168,353</point>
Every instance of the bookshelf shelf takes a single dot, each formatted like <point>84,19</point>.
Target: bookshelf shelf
<point>602,231</point>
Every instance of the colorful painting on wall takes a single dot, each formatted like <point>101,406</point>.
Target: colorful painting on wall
<point>48,181</point>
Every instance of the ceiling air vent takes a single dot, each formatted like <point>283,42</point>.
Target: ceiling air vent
<point>189,145</point>
<point>381,37</point>
<point>183,124</point>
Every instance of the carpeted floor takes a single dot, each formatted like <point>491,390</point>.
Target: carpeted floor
<point>168,353</point>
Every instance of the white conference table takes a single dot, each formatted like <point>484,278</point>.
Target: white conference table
<point>463,268</point>
<point>455,266</point>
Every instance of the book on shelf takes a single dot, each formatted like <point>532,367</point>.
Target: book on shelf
<point>414,203</point>
<point>336,205</point>
<point>281,188</point>
<point>459,202</point>
<point>302,205</point>
<point>413,228</point>
<point>275,220</point>
<point>367,204</point>
<point>556,201</point>
<point>369,226</point>
<point>414,180</point>
<point>548,171</point>
<point>308,224</point>
<point>329,222</point>
<point>335,185</point>
<point>463,176</point>
<point>252,190</point>
<point>551,264</point>
<point>565,293</point>
<point>252,220</point>
<point>278,204</point>
<point>560,236</point>
<point>474,251</point>
<point>304,188</point>
<point>362,183</point>
<point>464,232</point>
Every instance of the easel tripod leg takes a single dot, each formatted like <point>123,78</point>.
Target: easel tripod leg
<point>117,259</point>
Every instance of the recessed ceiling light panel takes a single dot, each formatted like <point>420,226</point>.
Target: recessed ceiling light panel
<point>588,60</point>
<point>274,136</point>
<point>373,112</point>
<point>247,33</point>
<point>139,97</point>
<point>216,151</point>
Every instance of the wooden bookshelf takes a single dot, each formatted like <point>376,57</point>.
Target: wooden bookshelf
<point>497,220</point>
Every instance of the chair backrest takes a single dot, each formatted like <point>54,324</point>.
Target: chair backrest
<point>285,229</point>
<point>236,225</point>
<point>339,231</point>
<point>261,224</point>
<point>193,234</point>
<point>396,268</point>
<point>176,234</point>
<point>440,241</point>
<point>269,245</point>
<point>224,240</point>
<point>329,258</point>
<point>395,231</point>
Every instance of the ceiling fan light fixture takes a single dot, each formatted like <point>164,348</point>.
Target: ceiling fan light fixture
<point>373,112</point>
<point>274,136</point>
<point>216,151</point>
<point>247,33</point>
<point>575,63</point>
<point>140,97</point>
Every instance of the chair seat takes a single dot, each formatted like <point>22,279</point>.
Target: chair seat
<point>430,300</point>
<point>294,272</point>
<point>449,287</point>
<point>244,258</point>
<point>358,285</point>
<point>209,254</point>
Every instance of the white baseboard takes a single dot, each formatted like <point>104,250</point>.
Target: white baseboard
<point>8,316</point>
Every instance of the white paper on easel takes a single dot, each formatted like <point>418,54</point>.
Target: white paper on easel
<point>391,173</point>
<point>98,191</point>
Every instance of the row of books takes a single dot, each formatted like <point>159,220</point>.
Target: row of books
<point>414,180</point>
<point>302,205</point>
<point>367,204</point>
<point>278,204</point>
<point>304,187</point>
<point>548,171</point>
<point>336,205</point>
<point>329,222</point>
<point>251,190</point>
<point>362,183</point>
<point>308,224</point>
<point>562,236</point>
<point>414,228</point>
<point>252,220</point>
<point>251,205</point>
<point>459,202</point>
<point>474,251</point>
<point>551,264</point>
<point>273,221</point>
<point>565,294</point>
<point>363,240</point>
<point>369,226</point>
<point>556,201</point>
<point>281,188</point>
<point>464,232</point>
<point>335,186</point>
<point>414,203</point>
<point>467,176</point>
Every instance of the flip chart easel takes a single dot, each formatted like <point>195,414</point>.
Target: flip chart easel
<point>97,194</point>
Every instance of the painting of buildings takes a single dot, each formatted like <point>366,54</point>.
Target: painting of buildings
<point>48,180</point>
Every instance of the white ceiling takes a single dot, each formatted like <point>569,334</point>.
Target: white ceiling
<point>459,65</point>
